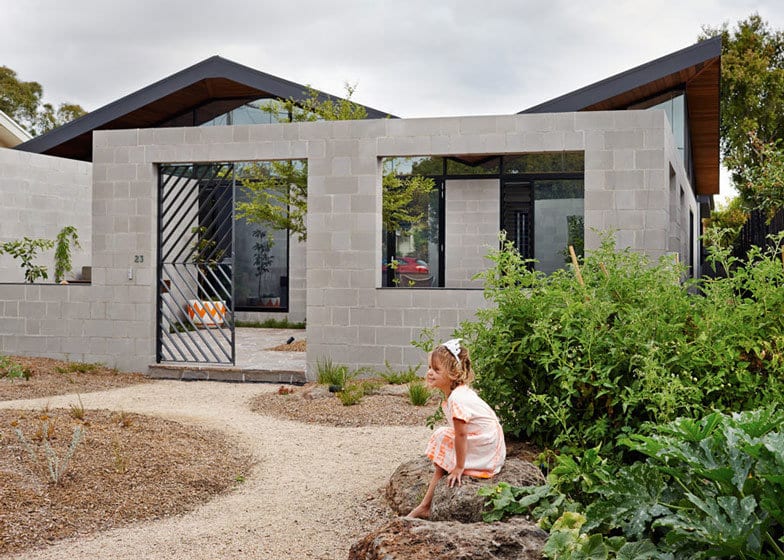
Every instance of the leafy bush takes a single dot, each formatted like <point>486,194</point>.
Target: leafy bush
<point>708,488</point>
<point>578,363</point>
<point>25,250</point>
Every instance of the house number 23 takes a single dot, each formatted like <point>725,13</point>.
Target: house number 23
<point>138,258</point>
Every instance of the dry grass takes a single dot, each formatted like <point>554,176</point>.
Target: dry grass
<point>128,468</point>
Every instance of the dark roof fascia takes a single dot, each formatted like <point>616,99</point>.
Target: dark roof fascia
<point>213,67</point>
<point>631,79</point>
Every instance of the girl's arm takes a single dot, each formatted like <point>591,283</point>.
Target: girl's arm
<point>461,444</point>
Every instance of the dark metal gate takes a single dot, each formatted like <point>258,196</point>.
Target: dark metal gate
<point>196,263</point>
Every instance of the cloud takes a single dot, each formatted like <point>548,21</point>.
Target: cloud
<point>408,57</point>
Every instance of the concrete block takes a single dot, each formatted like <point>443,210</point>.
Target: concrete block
<point>624,139</point>
<point>649,159</point>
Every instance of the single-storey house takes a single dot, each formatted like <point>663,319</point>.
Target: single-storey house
<point>151,181</point>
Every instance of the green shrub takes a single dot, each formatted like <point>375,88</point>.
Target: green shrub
<point>575,364</point>
<point>395,377</point>
<point>351,394</point>
<point>418,393</point>
<point>62,252</point>
<point>12,370</point>
<point>708,488</point>
<point>78,367</point>
<point>26,249</point>
<point>331,374</point>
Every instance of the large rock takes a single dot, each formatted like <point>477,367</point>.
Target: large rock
<point>409,482</point>
<point>417,539</point>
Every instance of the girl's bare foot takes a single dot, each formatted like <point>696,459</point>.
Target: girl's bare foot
<point>420,512</point>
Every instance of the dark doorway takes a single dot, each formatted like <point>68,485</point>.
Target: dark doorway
<point>517,215</point>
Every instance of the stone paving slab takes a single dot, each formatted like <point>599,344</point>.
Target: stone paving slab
<point>254,361</point>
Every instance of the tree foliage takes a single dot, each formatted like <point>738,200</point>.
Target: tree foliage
<point>277,192</point>
<point>23,102</point>
<point>721,229</point>
<point>752,94</point>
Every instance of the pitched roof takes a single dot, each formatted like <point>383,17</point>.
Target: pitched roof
<point>695,70</point>
<point>187,98</point>
<point>11,133</point>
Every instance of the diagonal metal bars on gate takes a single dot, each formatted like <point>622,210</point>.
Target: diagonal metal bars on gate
<point>196,263</point>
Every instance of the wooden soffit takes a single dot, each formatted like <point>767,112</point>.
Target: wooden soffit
<point>695,70</point>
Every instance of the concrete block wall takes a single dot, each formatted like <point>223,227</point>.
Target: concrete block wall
<point>40,195</point>
<point>350,318</point>
<point>472,223</point>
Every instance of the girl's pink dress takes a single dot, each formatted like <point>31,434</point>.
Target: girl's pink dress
<point>486,449</point>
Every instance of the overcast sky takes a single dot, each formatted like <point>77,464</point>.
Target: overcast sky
<point>409,58</point>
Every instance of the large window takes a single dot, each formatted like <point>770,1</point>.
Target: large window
<point>411,238</point>
<point>262,247</point>
<point>539,202</point>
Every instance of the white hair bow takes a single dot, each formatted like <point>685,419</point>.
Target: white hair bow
<point>454,347</point>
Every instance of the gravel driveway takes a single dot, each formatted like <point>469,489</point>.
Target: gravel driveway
<point>298,503</point>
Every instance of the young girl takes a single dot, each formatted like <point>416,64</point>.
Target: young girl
<point>473,443</point>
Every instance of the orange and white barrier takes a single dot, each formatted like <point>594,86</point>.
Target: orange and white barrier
<point>209,313</point>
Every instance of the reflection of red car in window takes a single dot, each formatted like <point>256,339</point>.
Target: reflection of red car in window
<point>410,265</point>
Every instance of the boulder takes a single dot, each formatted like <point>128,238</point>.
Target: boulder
<point>392,390</point>
<point>409,482</point>
<point>417,539</point>
<point>316,392</point>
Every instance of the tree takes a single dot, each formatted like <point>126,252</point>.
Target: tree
<point>278,191</point>
<point>23,102</point>
<point>752,95</point>
<point>724,224</point>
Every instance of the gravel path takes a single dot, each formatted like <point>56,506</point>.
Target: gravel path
<point>298,503</point>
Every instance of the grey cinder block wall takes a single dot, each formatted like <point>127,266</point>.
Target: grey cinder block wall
<point>40,195</point>
<point>630,165</point>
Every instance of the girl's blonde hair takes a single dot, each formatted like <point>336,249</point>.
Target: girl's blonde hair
<point>459,372</point>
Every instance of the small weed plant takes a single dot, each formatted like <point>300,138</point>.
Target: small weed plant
<point>77,409</point>
<point>329,373</point>
<point>55,466</point>
<point>11,369</point>
<point>121,461</point>
<point>351,394</point>
<point>78,367</point>
<point>418,393</point>
<point>394,377</point>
